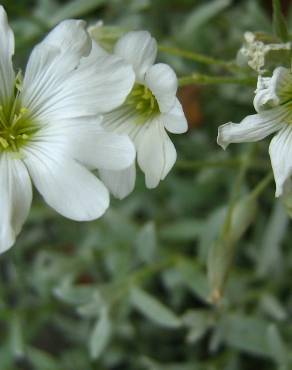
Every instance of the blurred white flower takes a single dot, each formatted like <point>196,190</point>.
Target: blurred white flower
<point>50,129</point>
<point>150,109</point>
<point>273,102</point>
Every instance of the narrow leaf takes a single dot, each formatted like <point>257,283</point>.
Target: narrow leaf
<point>219,264</point>
<point>100,335</point>
<point>150,307</point>
<point>279,23</point>
<point>246,333</point>
<point>277,346</point>
<point>222,250</point>
<point>16,337</point>
<point>146,242</point>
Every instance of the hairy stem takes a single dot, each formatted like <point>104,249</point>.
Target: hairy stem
<point>200,58</point>
<point>201,79</point>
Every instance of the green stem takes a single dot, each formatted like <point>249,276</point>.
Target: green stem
<point>118,290</point>
<point>279,22</point>
<point>261,186</point>
<point>200,58</point>
<point>148,271</point>
<point>201,79</point>
<point>222,252</point>
<point>230,163</point>
<point>246,163</point>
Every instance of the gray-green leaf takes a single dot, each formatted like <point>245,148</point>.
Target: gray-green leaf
<point>279,23</point>
<point>154,310</point>
<point>100,335</point>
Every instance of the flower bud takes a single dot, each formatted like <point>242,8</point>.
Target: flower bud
<point>263,52</point>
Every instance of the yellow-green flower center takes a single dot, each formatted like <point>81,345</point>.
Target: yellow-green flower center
<point>143,101</point>
<point>16,125</point>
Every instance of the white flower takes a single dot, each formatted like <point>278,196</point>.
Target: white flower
<point>273,102</point>
<point>49,127</point>
<point>150,109</point>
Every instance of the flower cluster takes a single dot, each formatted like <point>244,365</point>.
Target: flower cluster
<point>79,109</point>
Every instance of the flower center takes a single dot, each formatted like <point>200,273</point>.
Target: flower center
<point>143,101</point>
<point>16,126</point>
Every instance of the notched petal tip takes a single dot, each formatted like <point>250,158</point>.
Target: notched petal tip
<point>175,120</point>
<point>162,81</point>
<point>223,139</point>
<point>71,35</point>
<point>278,192</point>
<point>139,49</point>
<point>135,40</point>
<point>156,154</point>
<point>280,184</point>
<point>120,183</point>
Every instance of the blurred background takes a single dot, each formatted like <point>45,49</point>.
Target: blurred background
<point>130,290</point>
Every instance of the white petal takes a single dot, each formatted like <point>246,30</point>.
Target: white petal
<point>70,37</point>
<point>98,49</point>
<point>175,120</point>
<point>43,79</point>
<point>120,183</point>
<point>99,84</point>
<point>156,153</point>
<point>97,148</point>
<point>66,186</point>
<point>272,91</point>
<point>124,120</point>
<point>102,82</point>
<point>70,42</point>
<point>162,81</point>
<point>251,128</point>
<point>6,52</point>
<point>51,63</point>
<point>281,157</point>
<point>139,49</point>
<point>15,201</point>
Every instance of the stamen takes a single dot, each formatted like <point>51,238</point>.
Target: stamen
<point>2,117</point>
<point>143,101</point>
<point>4,143</point>
<point>16,127</point>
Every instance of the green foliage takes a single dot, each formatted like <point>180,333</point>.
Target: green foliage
<point>153,309</point>
<point>130,291</point>
<point>100,335</point>
<point>280,27</point>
